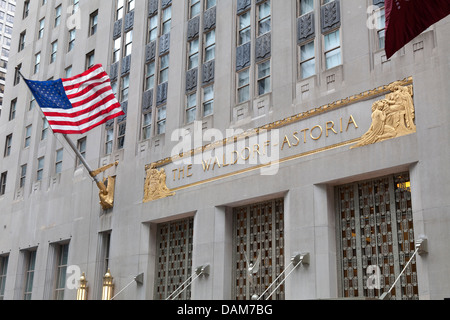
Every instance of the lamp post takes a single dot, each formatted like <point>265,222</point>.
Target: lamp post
<point>108,286</point>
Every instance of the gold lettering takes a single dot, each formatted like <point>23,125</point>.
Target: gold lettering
<point>216,161</point>
<point>236,158</point>
<point>286,140</point>
<point>304,134</point>
<point>189,173</point>
<point>174,174</point>
<point>256,149</point>
<point>350,121</point>
<point>179,173</point>
<point>340,120</point>
<point>311,133</point>
<point>206,165</point>
<point>296,138</point>
<point>224,162</point>
<point>242,152</point>
<point>266,144</point>
<point>330,128</point>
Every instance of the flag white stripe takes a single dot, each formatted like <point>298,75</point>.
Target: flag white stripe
<point>70,92</point>
<point>62,117</point>
<point>85,125</point>
<point>90,93</point>
<point>93,73</point>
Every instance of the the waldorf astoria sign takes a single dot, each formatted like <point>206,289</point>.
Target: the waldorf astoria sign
<point>204,156</point>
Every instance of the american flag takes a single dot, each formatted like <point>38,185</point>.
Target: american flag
<point>78,104</point>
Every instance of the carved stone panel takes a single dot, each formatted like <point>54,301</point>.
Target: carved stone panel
<point>243,56</point>
<point>165,3</point>
<point>209,19</point>
<point>129,21</point>
<point>193,28</point>
<point>208,71</point>
<point>150,51</point>
<point>164,44</point>
<point>331,15</point>
<point>263,47</point>
<point>126,64</point>
<point>191,79</point>
<point>152,7</point>
<point>305,27</point>
<point>161,94</point>
<point>117,29</point>
<point>243,5</point>
<point>114,71</point>
<point>147,100</point>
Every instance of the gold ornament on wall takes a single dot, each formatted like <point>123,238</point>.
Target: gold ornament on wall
<point>155,184</point>
<point>392,117</point>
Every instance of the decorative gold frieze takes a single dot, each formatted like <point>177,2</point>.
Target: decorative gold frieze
<point>155,184</point>
<point>106,187</point>
<point>391,117</point>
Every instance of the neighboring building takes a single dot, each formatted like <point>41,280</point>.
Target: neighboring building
<point>7,11</point>
<point>256,131</point>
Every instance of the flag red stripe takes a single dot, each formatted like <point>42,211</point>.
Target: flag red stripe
<point>84,120</point>
<point>88,128</point>
<point>83,111</point>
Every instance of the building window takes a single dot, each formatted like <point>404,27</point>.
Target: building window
<point>81,146</point>
<point>22,40</point>
<point>208,100</point>
<point>209,4</point>
<point>23,175</point>
<point>12,110</point>
<point>152,28</point>
<point>119,9</point>
<point>194,8</point>
<point>244,35</point>
<point>128,43</point>
<point>68,72</point>
<point>45,128</point>
<point>30,265</point>
<point>332,49</point>
<point>147,126</point>
<point>121,135</point>
<point>3,183</point>
<point>93,22</point>
<point>37,62</point>
<point>54,51</point>
<point>59,161</point>
<point>26,9</point>
<point>16,74</point>
<point>258,235</point>
<point>164,68</point>
<point>264,77</point>
<point>166,20</point>
<point>41,28</point>
<point>210,46</point>
<point>8,143</point>
<point>307,60</point>
<point>381,28</point>
<point>27,136</point>
<point>61,270</point>
<point>75,6</point>
<point>40,169</point>
<point>193,54</point>
<point>243,85</point>
<point>90,59</point>
<point>109,140</point>
<point>306,6</point>
<point>150,75</point>
<point>191,107</point>
<point>375,230</point>
<point>161,123</point>
<point>264,18</point>
<point>72,35</point>
<point>125,85</point>
<point>57,15</point>
<point>116,50</point>
<point>172,270</point>
<point>3,269</point>
<point>130,5</point>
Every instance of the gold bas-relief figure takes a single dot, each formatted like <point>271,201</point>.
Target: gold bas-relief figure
<point>155,184</point>
<point>106,187</point>
<point>391,117</point>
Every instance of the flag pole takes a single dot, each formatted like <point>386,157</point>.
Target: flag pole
<point>75,149</point>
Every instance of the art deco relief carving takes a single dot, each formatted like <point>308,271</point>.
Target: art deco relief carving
<point>391,117</point>
<point>155,184</point>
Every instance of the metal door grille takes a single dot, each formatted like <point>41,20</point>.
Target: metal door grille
<point>174,258</point>
<point>258,230</point>
<point>376,238</point>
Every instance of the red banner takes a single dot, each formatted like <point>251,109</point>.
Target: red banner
<point>406,19</point>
